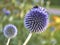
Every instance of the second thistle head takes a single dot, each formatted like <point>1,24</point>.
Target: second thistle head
<point>10,31</point>
<point>36,20</point>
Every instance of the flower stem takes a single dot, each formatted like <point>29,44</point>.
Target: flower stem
<point>28,38</point>
<point>8,41</point>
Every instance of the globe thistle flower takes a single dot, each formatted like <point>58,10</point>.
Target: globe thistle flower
<point>52,28</point>
<point>10,31</point>
<point>7,12</point>
<point>36,20</point>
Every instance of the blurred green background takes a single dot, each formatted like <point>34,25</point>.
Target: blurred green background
<point>13,12</point>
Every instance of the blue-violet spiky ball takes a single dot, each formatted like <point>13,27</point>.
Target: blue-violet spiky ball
<point>10,31</point>
<point>36,20</point>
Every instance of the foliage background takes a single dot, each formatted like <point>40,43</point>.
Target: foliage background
<point>18,9</point>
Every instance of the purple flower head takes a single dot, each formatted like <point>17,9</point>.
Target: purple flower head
<point>36,20</point>
<point>10,31</point>
<point>7,12</point>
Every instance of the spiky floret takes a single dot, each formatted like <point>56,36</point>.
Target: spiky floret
<point>10,31</point>
<point>36,20</point>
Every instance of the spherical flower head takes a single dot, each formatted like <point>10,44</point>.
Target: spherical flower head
<point>10,31</point>
<point>36,20</point>
<point>7,12</point>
